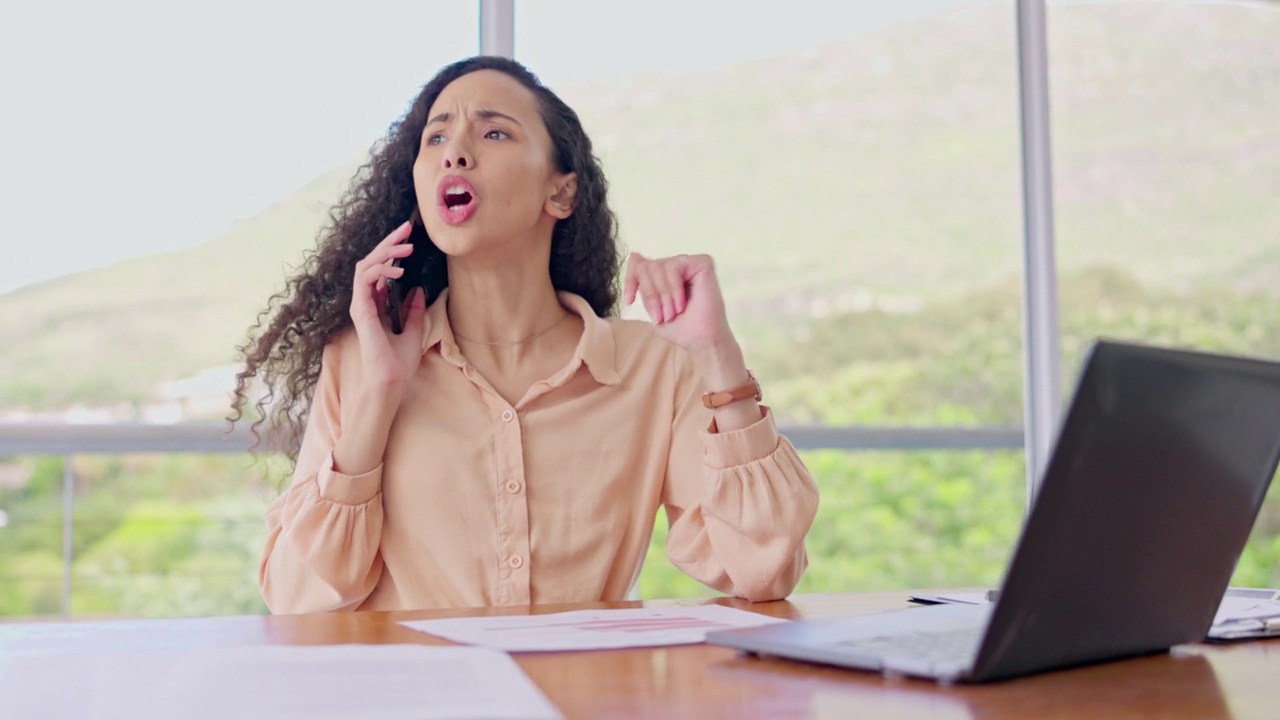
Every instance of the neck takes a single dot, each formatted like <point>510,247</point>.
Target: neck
<point>512,305</point>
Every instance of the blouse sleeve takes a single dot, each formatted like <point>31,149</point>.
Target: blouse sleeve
<point>323,532</point>
<point>739,503</point>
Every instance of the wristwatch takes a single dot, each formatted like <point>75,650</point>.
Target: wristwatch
<point>750,388</point>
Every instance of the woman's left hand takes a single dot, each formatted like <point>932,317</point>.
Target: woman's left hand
<point>682,296</point>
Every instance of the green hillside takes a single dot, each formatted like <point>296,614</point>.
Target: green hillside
<point>891,162</point>
<point>886,165</point>
<point>112,334</point>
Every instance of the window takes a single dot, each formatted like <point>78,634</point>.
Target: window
<point>855,172</point>
<point>1166,169</point>
<point>165,162</point>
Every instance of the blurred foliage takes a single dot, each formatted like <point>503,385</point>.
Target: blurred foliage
<point>154,536</point>
<point>893,520</point>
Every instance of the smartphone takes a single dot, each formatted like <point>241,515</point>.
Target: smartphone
<point>415,275</point>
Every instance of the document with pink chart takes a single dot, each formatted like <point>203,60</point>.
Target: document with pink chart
<point>592,629</point>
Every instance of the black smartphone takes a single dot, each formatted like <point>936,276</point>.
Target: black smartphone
<point>415,275</point>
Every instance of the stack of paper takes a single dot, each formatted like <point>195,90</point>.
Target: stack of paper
<point>1242,617</point>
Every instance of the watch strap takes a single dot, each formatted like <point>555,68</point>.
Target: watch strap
<point>720,398</point>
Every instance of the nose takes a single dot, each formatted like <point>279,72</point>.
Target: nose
<point>458,156</point>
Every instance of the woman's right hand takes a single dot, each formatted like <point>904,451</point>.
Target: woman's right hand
<point>388,360</point>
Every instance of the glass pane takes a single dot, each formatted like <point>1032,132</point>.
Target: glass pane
<point>162,176</point>
<point>170,535</point>
<point>30,536</point>
<point>1166,170</point>
<point>153,535</point>
<point>854,170</point>
<point>894,520</point>
<point>183,163</point>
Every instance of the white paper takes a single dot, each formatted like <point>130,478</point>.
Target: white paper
<point>965,598</point>
<point>46,686</point>
<point>593,629</point>
<point>1253,593</point>
<point>1235,609</point>
<point>393,682</point>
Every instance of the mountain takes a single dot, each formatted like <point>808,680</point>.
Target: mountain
<point>113,334</point>
<point>882,169</point>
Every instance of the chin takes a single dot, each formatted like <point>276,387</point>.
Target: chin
<point>445,235</point>
<point>455,241</point>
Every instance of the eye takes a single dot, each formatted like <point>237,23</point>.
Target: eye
<point>435,139</point>
<point>497,135</point>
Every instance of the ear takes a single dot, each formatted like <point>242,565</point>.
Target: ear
<point>565,195</point>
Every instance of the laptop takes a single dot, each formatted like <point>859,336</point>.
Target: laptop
<point>1158,473</point>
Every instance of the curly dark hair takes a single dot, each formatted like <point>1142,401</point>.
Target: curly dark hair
<point>285,345</point>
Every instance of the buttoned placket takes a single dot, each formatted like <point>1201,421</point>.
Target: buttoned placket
<point>509,481</point>
<point>511,507</point>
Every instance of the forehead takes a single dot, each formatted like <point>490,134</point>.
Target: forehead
<point>488,90</point>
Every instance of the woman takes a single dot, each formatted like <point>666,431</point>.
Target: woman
<point>514,443</point>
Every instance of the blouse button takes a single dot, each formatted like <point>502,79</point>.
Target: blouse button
<point>513,487</point>
<point>507,415</point>
<point>516,562</point>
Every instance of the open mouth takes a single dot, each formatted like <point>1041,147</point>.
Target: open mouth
<point>457,200</point>
<point>456,197</point>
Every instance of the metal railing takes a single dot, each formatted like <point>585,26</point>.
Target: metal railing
<point>213,438</point>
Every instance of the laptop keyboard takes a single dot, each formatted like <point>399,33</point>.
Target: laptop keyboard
<point>958,645</point>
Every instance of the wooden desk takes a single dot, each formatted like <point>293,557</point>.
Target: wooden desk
<point>697,681</point>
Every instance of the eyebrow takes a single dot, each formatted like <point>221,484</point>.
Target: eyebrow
<point>480,114</point>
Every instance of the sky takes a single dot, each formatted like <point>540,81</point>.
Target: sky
<point>130,128</point>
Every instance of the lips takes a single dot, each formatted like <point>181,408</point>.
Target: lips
<point>456,200</point>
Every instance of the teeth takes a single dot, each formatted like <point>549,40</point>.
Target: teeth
<point>455,191</point>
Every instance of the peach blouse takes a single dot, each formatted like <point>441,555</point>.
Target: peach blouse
<point>479,502</point>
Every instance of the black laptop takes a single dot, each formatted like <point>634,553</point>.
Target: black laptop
<point>1157,476</point>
